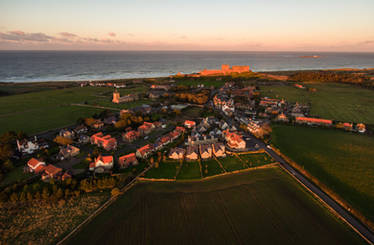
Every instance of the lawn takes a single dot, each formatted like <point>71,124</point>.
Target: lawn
<point>16,175</point>
<point>332,101</point>
<point>232,163</point>
<point>255,160</point>
<point>341,160</point>
<point>262,207</point>
<point>165,170</point>
<point>189,170</point>
<point>40,111</point>
<point>211,167</point>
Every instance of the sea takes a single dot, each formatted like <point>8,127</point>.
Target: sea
<point>36,66</point>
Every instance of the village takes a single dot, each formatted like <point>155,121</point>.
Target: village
<point>183,132</point>
<point>239,113</point>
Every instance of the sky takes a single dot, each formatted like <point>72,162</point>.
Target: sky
<point>245,25</point>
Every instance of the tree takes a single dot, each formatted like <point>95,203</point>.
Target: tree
<point>89,121</point>
<point>29,197</point>
<point>115,192</point>
<point>8,165</point>
<point>14,197</point>
<point>5,151</point>
<point>67,193</point>
<point>45,193</point>
<point>59,194</point>
<point>37,195</point>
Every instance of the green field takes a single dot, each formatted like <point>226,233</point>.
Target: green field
<point>257,159</point>
<point>165,170</point>
<point>189,170</point>
<point>332,101</point>
<point>40,111</point>
<point>267,207</point>
<point>232,163</point>
<point>341,160</point>
<point>212,166</point>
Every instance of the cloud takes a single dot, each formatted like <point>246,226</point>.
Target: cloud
<point>367,42</point>
<point>67,35</point>
<point>131,34</point>
<point>112,34</point>
<point>22,36</point>
<point>183,37</point>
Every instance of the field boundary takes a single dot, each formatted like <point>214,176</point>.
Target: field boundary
<point>270,165</point>
<point>245,152</point>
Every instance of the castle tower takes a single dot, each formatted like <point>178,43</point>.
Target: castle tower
<point>116,97</point>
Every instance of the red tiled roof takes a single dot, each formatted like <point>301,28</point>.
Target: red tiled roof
<point>188,122</point>
<point>145,149</point>
<point>39,169</point>
<point>105,159</point>
<point>313,120</point>
<point>52,170</point>
<point>33,162</point>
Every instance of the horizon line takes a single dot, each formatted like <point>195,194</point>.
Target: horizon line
<point>177,50</point>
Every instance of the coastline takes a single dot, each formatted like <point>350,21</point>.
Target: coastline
<point>279,71</point>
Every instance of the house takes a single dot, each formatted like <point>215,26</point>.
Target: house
<point>130,136</point>
<point>83,139</point>
<point>145,128</point>
<point>145,151</point>
<point>219,149</point>
<point>177,153</point>
<point>313,121</point>
<point>127,98</point>
<point>28,146</point>
<point>361,127</point>
<point>81,129</point>
<point>68,152</point>
<point>192,153</point>
<point>97,124</point>
<point>165,87</point>
<point>110,120</point>
<point>104,141</point>
<point>234,141</point>
<point>101,163</point>
<point>70,134</point>
<point>282,118</point>
<point>189,124</point>
<point>180,129</point>
<point>127,160</point>
<point>35,165</point>
<point>205,151</point>
<point>51,172</point>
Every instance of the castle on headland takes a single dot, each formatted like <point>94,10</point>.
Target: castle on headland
<point>127,98</point>
<point>225,70</point>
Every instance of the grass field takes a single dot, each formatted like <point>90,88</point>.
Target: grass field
<point>40,111</point>
<point>166,170</point>
<point>262,207</point>
<point>189,170</point>
<point>255,160</point>
<point>332,101</point>
<point>341,160</point>
<point>212,166</point>
<point>232,163</point>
